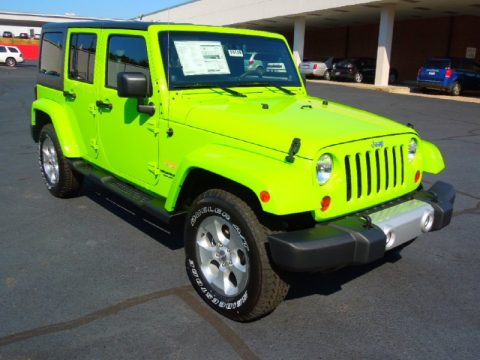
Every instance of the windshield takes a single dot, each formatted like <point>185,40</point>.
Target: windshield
<point>437,64</point>
<point>202,59</point>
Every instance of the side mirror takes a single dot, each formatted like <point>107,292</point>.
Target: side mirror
<point>135,84</point>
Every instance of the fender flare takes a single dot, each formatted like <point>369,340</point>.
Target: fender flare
<point>433,161</point>
<point>59,116</point>
<point>290,185</point>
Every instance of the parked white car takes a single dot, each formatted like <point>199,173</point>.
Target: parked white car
<point>319,68</point>
<point>10,55</point>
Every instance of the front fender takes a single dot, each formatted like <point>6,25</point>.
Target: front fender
<point>290,184</point>
<point>432,157</point>
<point>63,127</point>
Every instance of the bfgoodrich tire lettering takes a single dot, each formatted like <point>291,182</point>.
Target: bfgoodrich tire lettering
<point>219,221</point>
<point>59,178</point>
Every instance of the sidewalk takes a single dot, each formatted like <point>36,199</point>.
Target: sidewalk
<point>407,88</point>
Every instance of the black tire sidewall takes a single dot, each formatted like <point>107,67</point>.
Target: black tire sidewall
<point>245,301</point>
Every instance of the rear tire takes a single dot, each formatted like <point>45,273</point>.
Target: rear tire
<point>61,180</point>
<point>11,62</point>
<point>327,76</point>
<point>260,71</point>
<point>392,78</point>
<point>227,260</point>
<point>456,89</point>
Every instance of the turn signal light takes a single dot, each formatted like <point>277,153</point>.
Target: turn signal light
<point>417,176</point>
<point>325,204</point>
<point>265,196</point>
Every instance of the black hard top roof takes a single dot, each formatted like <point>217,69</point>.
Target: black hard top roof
<point>131,25</point>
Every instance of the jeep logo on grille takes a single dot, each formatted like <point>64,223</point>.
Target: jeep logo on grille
<point>376,144</point>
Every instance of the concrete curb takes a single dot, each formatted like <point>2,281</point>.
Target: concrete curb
<point>403,90</point>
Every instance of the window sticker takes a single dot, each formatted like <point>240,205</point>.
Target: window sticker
<point>235,53</point>
<point>202,58</point>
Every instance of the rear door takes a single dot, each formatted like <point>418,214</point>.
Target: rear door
<point>469,75</point>
<point>80,87</point>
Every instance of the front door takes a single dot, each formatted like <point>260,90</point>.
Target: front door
<point>80,89</point>
<point>128,140</point>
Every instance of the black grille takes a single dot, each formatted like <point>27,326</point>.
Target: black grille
<point>368,173</point>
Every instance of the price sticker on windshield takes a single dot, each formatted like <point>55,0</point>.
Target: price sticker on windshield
<point>235,53</point>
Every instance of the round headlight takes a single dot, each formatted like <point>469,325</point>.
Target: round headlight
<point>412,149</point>
<point>324,168</point>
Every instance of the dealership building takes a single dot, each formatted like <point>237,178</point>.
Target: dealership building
<point>399,33</point>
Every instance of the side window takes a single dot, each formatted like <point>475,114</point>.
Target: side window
<point>467,65</point>
<point>457,64</point>
<point>126,53</point>
<point>3,49</point>
<point>81,62</point>
<point>51,60</point>
<point>12,49</point>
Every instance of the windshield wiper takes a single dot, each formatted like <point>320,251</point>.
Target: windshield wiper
<point>210,86</point>
<point>267,84</point>
<point>233,92</point>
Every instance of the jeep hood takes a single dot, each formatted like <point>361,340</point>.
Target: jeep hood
<point>273,122</point>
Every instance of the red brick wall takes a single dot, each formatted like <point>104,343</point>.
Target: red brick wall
<point>414,41</point>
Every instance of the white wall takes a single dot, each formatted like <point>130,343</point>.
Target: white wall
<point>227,12</point>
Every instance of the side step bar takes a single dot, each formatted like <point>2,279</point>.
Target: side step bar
<point>152,205</point>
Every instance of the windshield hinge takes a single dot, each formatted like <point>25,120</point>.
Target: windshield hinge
<point>153,127</point>
<point>153,168</point>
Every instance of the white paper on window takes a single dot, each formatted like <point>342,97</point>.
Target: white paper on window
<point>202,58</point>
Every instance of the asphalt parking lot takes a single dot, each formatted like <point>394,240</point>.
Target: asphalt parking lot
<point>92,278</point>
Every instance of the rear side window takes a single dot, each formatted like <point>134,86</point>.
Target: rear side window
<point>126,53</point>
<point>437,64</point>
<point>82,57</point>
<point>3,49</point>
<point>12,49</point>
<point>51,60</point>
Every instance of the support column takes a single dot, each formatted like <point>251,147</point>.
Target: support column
<point>299,39</point>
<point>385,34</point>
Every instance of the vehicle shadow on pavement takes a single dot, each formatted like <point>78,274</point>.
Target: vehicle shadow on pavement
<point>306,284</point>
<point>168,235</point>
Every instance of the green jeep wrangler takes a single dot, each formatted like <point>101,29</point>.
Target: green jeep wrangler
<point>267,179</point>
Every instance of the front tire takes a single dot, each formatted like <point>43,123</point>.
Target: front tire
<point>10,62</point>
<point>227,260</point>
<point>327,76</point>
<point>61,180</point>
<point>358,77</point>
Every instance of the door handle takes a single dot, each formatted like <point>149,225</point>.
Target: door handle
<point>100,104</point>
<point>71,96</point>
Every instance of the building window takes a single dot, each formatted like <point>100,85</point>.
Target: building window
<point>51,61</point>
<point>82,57</point>
<point>126,53</point>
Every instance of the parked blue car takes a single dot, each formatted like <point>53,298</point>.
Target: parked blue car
<point>449,74</point>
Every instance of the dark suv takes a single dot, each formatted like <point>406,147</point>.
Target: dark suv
<point>360,70</point>
<point>449,74</point>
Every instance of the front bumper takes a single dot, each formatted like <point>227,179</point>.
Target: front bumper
<point>363,238</point>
